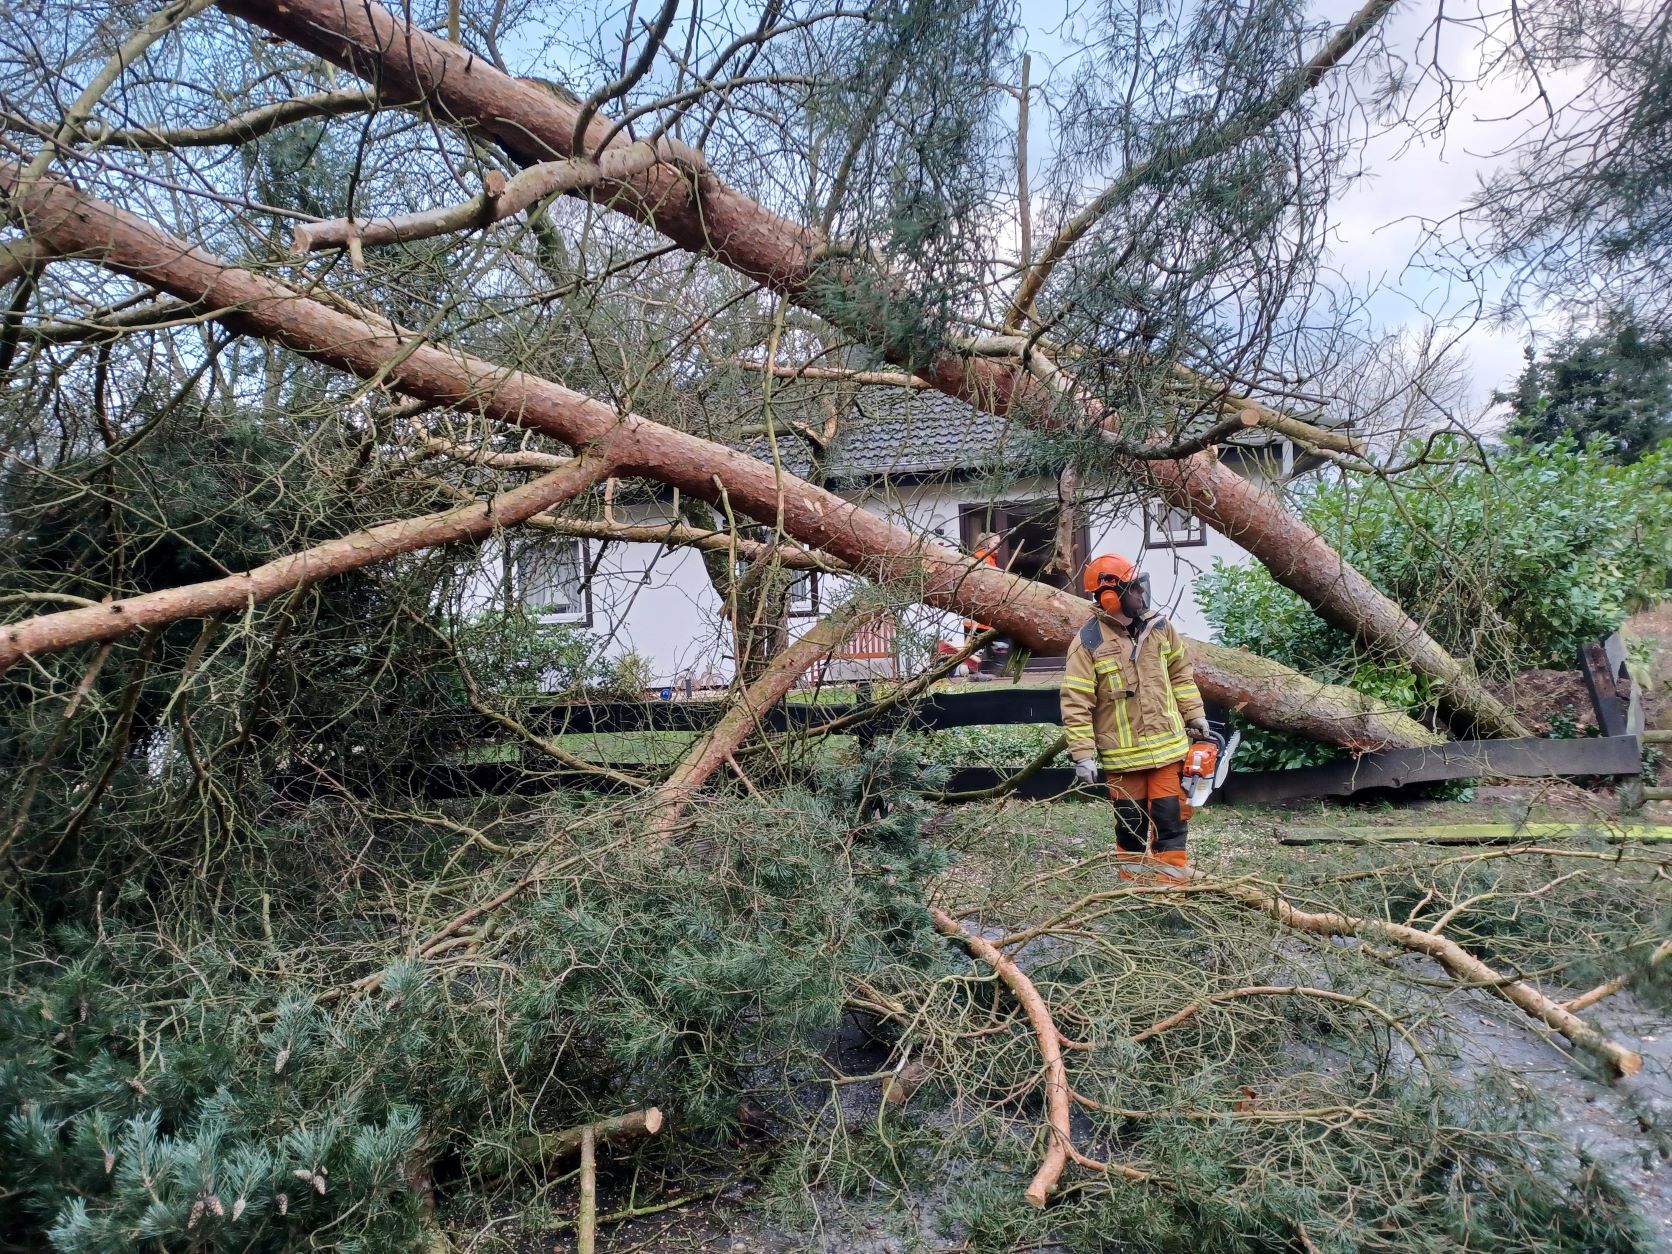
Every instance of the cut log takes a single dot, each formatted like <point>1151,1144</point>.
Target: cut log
<point>549,1145</point>
<point>586,1221</point>
<point>1043,619</point>
<point>705,216</point>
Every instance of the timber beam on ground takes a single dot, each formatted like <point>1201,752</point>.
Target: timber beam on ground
<point>993,706</point>
<point>1474,834</point>
<point>1527,758</point>
<point>1609,757</point>
<point>1605,757</point>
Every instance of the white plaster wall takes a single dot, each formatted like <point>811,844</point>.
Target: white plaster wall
<point>646,599</point>
<point>1111,528</point>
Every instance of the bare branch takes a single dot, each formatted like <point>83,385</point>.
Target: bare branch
<point>250,125</point>
<point>1243,124</point>
<point>501,198</point>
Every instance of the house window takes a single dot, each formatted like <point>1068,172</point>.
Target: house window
<point>551,581</point>
<point>804,595</point>
<point>1166,527</point>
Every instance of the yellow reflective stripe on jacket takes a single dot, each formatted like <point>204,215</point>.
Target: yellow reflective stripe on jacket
<point>1171,748</point>
<point>1080,685</point>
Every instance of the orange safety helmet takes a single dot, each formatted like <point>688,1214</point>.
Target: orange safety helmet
<point>1108,569</point>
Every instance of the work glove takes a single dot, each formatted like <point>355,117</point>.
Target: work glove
<point>1086,771</point>
<point>1198,727</point>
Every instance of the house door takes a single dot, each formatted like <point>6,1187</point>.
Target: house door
<point>1027,532</point>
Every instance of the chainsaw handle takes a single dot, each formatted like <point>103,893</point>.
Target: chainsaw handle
<point>1212,735</point>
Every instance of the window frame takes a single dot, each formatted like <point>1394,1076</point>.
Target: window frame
<point>1158,536</point>
<point>793,606</point>
<point>977,517</point>
<point>578,617</point>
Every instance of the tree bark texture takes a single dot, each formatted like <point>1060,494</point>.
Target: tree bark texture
<point>72,224</point>
<point>692,207</point>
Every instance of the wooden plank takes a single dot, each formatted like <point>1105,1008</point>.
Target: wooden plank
<point>1614,649</point>
<point>1472,834</point>
<point>1531,757</point>
<point>1602,682</point>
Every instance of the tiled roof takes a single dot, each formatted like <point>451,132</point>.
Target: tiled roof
<point>892,431</point>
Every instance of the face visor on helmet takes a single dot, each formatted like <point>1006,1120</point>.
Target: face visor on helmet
<point>1107,581</point>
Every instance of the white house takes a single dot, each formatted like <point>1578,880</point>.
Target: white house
<point>922,459</point>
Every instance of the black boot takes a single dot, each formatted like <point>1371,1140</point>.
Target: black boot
<point>1170,834</point>
<point>1132,834</point>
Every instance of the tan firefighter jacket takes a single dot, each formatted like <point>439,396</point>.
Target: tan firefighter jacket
<point>1126,700</point>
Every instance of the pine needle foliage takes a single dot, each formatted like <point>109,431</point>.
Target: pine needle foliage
<point>228,1077</point>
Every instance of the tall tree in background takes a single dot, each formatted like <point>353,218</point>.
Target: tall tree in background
<point>1581,212</point>
<point>1612,385</point>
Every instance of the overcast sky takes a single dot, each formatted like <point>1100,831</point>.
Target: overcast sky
<point>1415,179</point>
<point>1411,180</point>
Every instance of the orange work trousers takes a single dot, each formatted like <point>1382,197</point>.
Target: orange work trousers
<point>1151,814</point>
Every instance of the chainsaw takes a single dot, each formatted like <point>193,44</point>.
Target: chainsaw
<point>1206,766</point>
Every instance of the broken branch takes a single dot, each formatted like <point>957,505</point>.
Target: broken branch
<point>1458,962</point>
<point>46,633</point>
<point>717,744</point>
<point>549,1145</point>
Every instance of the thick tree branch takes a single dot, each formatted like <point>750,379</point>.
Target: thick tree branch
<point>501,198</point>
<point>675,535</point>
<point>867,378</point>
<point>743,715</point>
<point>46,633</point>
<point>19,257</point>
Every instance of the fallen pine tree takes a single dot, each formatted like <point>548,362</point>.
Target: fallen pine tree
<point>681,197</point>
<point>1230,1085</point>
<point>70,223</point>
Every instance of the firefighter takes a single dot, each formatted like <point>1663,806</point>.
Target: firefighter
<point>1130,706</point>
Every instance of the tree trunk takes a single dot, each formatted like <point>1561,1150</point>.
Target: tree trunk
<point>1043,619</point>
<point>701,214</point>
<point>1297,557</point>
